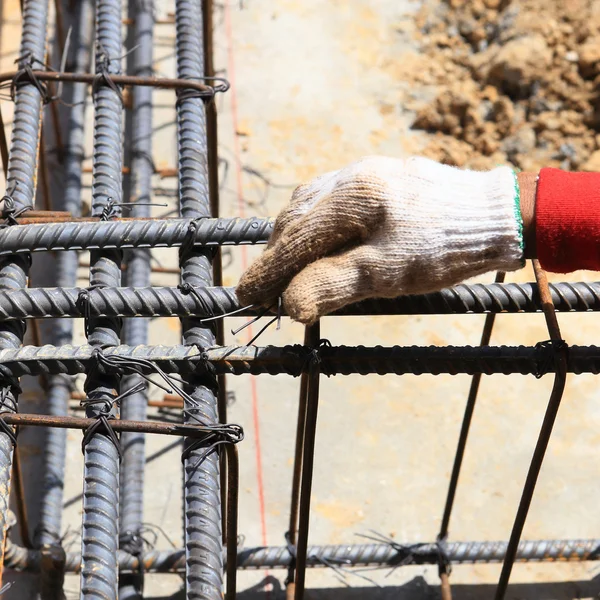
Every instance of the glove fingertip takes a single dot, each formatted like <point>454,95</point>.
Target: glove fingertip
<point>248,287</point>
<point>301,309</point>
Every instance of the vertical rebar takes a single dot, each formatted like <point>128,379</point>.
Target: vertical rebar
<point>213,191</point>
<point>99,572</point>
<point>559,348</point>
<point>49,529</point>
<point>138,275</point>
<point>202,502</point>
<point>3,147</point>
<point>297,471</point>
<point>20,186</point>
<point>466,424</point>
<point>308,456</point>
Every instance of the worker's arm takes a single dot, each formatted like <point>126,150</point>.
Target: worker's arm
<point>384,227</point>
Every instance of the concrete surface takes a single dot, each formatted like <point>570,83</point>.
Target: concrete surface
<point>314,87</point>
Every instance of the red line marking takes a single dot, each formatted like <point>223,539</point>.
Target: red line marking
<point>242,212</point>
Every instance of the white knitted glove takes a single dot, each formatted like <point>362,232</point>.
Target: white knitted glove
<point>383,227</point>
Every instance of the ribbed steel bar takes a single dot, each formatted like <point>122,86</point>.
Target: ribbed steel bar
<point>98,235</point>
<point>22,162</point>
<point>313,333</point>
<point>291,535</point>
<point>213,190</point>
<point>20,186</point>
<point>42,303</point>
<point>486,336</point>
<point>293,360</point>
<point>59,389</point>
<point>357,555</point>
<point>99,544</point>
<point>202,500</point>
<point>558,349</point>
<point>138,270</point>
<point>156,82</point>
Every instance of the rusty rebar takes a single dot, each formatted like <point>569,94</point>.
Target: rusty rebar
<point>559,357</point>
<point>157,82</point>
<point>297,470</point>
<point>66,422</point>
<point>466,425</point>
<point>308,456</point>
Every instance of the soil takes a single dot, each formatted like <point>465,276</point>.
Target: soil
<point>516,81</point>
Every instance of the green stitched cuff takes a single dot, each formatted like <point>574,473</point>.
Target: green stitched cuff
<point>519,217</point>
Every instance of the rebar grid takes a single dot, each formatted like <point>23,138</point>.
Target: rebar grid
<point>112,560</point>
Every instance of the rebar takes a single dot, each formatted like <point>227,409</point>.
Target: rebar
<point>99,545</point>
<point>138,275</point>
<point>20,195</point>
<point>486,336</point>
<point>558,349</point>
<point>202,500</point>
<point>201,89</point>
<point>355,555</point>
<point>48,531</point>
<point>102,235</point>
<point>294,360</point>
<point>297,471</point>
<point>40,303</point>
<point>313,334</point>
<point>199,235</point>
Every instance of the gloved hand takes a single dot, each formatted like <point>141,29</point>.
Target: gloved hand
<point>383,227</point>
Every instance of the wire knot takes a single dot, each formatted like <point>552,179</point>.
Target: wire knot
<point>207,95</point>
<point>10,212</point>
<point>213,437</point>
<point>103,75</point>
<point>547,355</point>
<point>187,288</point>
<point>132,542</point>
<point>25,76</point>
<point>83,305</point>
<point>110,210</point>
<point>102,425</point>
<point>444,565</point>
<point>9,392</point>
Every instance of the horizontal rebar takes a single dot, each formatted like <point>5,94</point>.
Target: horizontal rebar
<point>382,555</point>
<point>38,303</point>
<point>160,233</point>
<point>65,422</point>
<point>157,82</point>
<point>293,360</point>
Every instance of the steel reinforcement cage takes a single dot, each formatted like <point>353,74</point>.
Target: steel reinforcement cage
<point>113,559</point>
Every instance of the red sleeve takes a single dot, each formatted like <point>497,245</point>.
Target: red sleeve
<point>567,220</point>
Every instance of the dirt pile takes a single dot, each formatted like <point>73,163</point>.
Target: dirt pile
<point>517,81</point>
